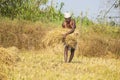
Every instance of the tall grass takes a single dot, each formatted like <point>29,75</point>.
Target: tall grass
<point>99,40</point>
<point>95,40</point>
<point>22,34</point>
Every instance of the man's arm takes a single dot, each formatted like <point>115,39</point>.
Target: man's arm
<point>73,28</point>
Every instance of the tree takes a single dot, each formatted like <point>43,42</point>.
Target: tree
<point>26,9</point>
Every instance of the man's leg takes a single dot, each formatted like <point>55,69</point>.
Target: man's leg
<point>65,53</point>
<point>72,54</point>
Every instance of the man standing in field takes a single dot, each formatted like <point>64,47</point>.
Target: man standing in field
<point>71,25</point>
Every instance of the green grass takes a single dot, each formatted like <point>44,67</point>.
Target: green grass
<point>47,65</point>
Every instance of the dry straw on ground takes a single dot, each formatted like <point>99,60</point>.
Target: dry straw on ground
<point>8,58</point>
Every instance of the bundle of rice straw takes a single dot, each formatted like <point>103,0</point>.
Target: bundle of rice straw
<point>7,60</point>
<point>7,57</point>
<point>3,76</point>
<point>55,37</point>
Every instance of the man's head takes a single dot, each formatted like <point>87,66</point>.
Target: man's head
<point>67,16</point>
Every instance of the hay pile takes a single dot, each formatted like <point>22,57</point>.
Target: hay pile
<point>7,57</point>
<point>55,37</point>
<point>3,72</point>
<point>7,60</point>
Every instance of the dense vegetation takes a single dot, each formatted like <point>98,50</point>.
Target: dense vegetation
<point>29,10</point>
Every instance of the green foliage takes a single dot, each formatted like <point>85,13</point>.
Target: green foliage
<point>8,7</point>
<point>86,21</point>
<point>25,9</point>
<point>30,10</point>
<point>52,14</point>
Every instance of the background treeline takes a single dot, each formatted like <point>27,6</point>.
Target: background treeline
<point>33,10</point>
<point>29,10</point>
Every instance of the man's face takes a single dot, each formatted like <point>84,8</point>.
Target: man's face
<point>68,19</point>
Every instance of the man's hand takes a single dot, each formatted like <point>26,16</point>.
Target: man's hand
<point>64,37</point>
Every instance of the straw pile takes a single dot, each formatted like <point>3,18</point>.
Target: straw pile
<point>55,37</point>
<point>3,75</point>
<point>8,58</point>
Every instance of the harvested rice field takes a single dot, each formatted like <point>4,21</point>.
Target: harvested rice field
<point>37,53</point>
<point>47,65</point>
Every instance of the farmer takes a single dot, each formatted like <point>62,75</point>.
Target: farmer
<point>71,25</point>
